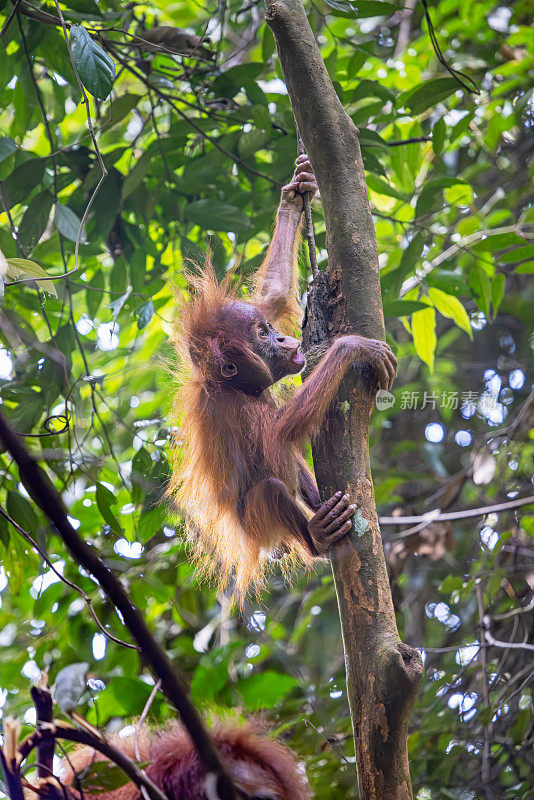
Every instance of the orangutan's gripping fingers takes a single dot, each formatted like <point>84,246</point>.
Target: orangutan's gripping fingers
<point>341,520</point>
<point>327,506</point>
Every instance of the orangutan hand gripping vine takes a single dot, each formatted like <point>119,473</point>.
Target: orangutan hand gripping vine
<point>239,471</point>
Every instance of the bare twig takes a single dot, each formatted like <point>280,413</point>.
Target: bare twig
<point>437,516</point>
<point>308,216</point>
<point>9,18</point>
<point>143,716</point>
<point>486,754</point>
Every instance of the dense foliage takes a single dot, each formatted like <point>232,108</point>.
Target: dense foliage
<point>197,136</point>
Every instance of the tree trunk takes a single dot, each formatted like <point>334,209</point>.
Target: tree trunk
<point>383,674</point>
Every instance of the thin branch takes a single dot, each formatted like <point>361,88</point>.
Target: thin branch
<point>9,19</point>
<point>308,217</point>
<point>45,496</point>
<point>456,74</point>
<point>498,643</point>
<point>31,541</point>
<point>143,716</point>
<point>472,238</point>
<point>486,754</point>
<point>437,516</point>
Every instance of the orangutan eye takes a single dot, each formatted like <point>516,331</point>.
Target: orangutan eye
<point>262,332</point>
<point>228,370</point>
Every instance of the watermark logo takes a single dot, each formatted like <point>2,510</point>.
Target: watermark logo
<point>384,399</point>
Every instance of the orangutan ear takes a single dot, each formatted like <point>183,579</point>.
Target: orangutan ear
<point>228,371</point>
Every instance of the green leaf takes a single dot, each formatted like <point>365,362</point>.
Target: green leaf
<point>497,291</point>
<point>438,136</point>
<point>450,307</point>
<point>93,295</point>
<point>121,107</point>
<point>150,522</point>
<point>136,175</point>
<point>67,223</point>
<point>22,266</point>
<point>35,220</point>
<point>428,94</point>
<point>22,180</point>
<point>402,308</point>
<point>7,147</point>
<point>265,689</point>
<point>105,499</point>
<point>141,466</point>
<point>95,68</point>
<point>217,216</point>
<point>381,187</point>
<point>424,335</point>
<point>144,314</point>
<point>21,511</point>
<point>103,777</point>
<point>481,285</point>
<point>122,697</point>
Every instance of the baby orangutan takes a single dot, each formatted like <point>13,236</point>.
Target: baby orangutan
<point>239,474</point>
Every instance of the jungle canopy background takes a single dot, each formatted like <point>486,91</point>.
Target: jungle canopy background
<point>197,137</point>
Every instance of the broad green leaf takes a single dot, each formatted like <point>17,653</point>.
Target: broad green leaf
<point>105,499</point>
<point>95,68</point>
<point>103,777</point>
<point>145,314</point>
<point>7,147</point>
<point>428,94</point>
<point>252,141</point>
<point>381,187</point>
<point>402,308</point>
<point>460,194</point>
<point>22,180</point>
<point>497,291</point>
<point>265,689</point>
<point>22,511</point>
<point>424,335</point>
<point>93,293</point>
<point>450,307</point>
<point>481,285</point>
<point>35,220</point>
<point>121,107</point>
<point>67,223</point>
<point>18,267</point>
<point>217,216</point>
<point>438,136</point>
<point>135,176</point>
<point>122,697</point>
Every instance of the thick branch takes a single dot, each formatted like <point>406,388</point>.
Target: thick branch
<point>44,712</point>
<point>45,496</point>
<point>382,673</point>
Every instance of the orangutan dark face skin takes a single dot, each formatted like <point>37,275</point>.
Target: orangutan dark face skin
<point>278,353</point>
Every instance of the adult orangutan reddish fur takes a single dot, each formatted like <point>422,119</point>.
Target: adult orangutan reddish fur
<point>238,469</point>
<point>261,768</point>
